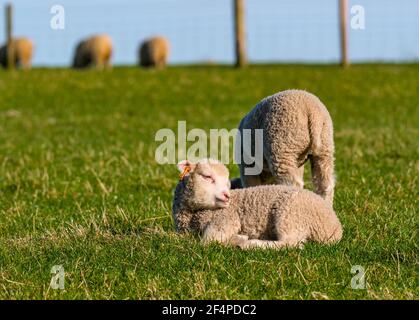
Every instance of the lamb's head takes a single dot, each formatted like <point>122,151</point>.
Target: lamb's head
<point>206,184</point>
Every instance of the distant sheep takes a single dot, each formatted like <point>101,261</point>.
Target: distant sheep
<point>296,127</point>
<point>154,52</point>
<point>23,51</point>
<point>95,52</point>
<point>273,216</point>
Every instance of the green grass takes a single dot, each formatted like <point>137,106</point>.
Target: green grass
<point>79,185</point>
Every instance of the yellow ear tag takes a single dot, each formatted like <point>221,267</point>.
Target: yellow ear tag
<point>184,173</point>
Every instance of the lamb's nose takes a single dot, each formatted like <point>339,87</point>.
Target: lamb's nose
<point>226,195</point>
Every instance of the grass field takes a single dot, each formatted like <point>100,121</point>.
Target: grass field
<point>79,185</point>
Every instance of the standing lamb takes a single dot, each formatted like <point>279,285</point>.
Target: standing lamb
<point>272,216</point>
<point>22,51</point>
<point>95,51</point>
<point>296,127</point>
<point>154,52</point>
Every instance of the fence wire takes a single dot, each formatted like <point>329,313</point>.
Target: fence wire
<point>201,31</point>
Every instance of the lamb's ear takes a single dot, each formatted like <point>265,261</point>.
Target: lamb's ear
<point>185,167</point>
<point>183,164</point>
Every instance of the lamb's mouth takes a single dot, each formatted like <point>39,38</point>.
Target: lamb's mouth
<point>222,203</point>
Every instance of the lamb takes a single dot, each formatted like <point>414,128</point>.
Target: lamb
<point>269,216</point>
<point>296,127</point>
<point>22,51</point>
<point>95,51</point>
<point>154,52</point>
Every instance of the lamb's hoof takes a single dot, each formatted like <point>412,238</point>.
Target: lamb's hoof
<point>239,240</point>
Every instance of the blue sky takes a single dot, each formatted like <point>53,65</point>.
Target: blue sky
<point>201,30</point>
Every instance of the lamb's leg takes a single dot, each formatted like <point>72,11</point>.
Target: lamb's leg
<point>323,177</point>
<point>26,64</point>
<point>286,171</point>
<point>160,63</point>
<point>224,233</point>
<point>287,236</point>
<point>282,160</point>
<point>98,62</point>
<point>262,244</point>
<point>238,240</point>
<point>292,241</point>
<point>300,173</point>
<point>108,64</point>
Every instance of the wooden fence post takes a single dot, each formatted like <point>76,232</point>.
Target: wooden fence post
<point>239,33</point>
<point>343,17</point>
<point>9,35</point>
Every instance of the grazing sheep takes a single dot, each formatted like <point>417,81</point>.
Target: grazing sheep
<point>236,183</point>
<point>22,51</point>
<point>271,216</point>
<point>154,52</point>
<point>296,127</point>
<point>95,51</point>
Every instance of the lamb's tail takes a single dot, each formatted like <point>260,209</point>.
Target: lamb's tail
<point>315,128</point>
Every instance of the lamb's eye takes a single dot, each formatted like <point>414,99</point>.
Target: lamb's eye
<point>209,178</point>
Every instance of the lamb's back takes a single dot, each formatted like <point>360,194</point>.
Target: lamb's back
<point>290,107</point>
<point>257,207</point>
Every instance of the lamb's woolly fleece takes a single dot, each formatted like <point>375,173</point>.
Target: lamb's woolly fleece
<point>297,127</point>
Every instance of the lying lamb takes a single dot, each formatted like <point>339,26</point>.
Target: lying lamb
<point>270,216</point>
<point>296,126</point>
